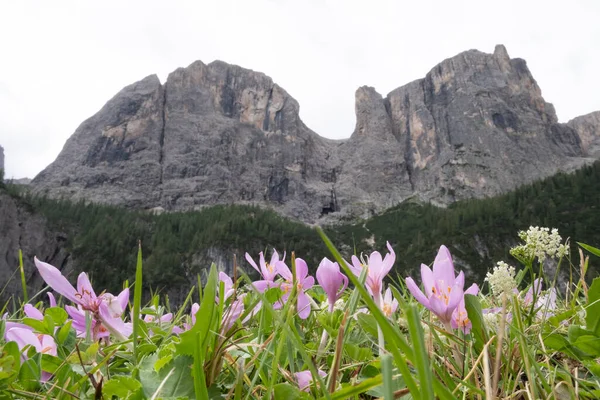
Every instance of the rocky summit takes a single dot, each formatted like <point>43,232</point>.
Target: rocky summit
<point>476,125</point>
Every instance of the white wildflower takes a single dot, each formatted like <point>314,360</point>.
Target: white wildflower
<point>502,280</point>
<point>340,304</point>
<point>540,243</point>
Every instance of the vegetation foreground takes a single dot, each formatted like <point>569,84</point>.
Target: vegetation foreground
<point>346,335</point>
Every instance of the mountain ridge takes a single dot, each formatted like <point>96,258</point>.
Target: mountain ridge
<point>475,126</point>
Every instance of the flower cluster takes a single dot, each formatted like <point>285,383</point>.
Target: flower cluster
<point>540,243</point>
<point>502,280</point>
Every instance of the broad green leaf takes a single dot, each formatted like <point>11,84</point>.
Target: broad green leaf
<point>161,362</point>
<point>575,331</point>
<point>592,311</point>
<point>589,344</point>
<point>58,315</point>
<point>63,333</point>
<point>51,363</point>
<point>121,386</point>
<point>289,392</point>
<point>368,323</point>
<point>30,375</point>
<point>38,326</point>
<point>358,353</point>
<point>475,314</point>
<point>556,342</point>
<point>173,380</point>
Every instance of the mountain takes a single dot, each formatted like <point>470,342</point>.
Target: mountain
<point>475,126</point>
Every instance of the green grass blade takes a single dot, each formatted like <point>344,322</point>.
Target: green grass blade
<point>421,356</point>
<point>137,302</point>
<point>23,280</point>
<point>396,341</point>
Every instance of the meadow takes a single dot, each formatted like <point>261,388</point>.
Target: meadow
<point>348,332</point>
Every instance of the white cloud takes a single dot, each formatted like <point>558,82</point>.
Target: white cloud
<point>61,61</point>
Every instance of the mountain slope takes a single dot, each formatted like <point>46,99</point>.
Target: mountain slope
<point>475,126</point>
<point>177,246</point>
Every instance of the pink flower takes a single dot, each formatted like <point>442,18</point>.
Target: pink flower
<point>105,308</point>
<point>443,291</point>
<point>303,281</point>
<point>32,312</point>
<point>331,280</point>
<point>267,270</point>
<point>390,305</point>
<point>304,379</point>
<point>44,344</point>
<point>377,269</point>
<point>460,319</point>
<point>227,285</point>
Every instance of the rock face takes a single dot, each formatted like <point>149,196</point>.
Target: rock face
<point>588,128</point>
<point>475,126</point>
<point>1,157</point>
<point>29,232</point>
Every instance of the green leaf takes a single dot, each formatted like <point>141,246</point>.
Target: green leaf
<point>591,249</point>
<point>120,386</point>
<point>575,331</point>
<point>357,353</point>
<point>475,314</point>
<point>287,391</point>
<point>592,312</point>
<point>204,319</point>
<point>30,375</point>
<point>368,323</point>
<point>51,363</point>
<point>556,342</point>
<point>589,344</point>
<point>58,315</point>
<point>37,325</point>
<point>161,362</point>
<point>173,380</point>
<point>63,332</point>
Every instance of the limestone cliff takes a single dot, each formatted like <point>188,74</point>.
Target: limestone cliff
<point>476,125</point>
<point>28,231</point>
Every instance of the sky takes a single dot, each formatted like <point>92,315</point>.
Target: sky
<point>61,61</point>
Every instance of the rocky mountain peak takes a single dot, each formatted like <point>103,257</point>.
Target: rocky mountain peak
<point>476,125</point>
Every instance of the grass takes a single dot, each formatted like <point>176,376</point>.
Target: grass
<point>521,349</point>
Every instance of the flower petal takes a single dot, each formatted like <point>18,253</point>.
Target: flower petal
<point>284,271</point>
<point>53,278</point>
<point>443,268</point>
<point>416,292</point>
<point>473,289</point>
<point>427,278</point>
<point>32,312</point>
<point>252,263</point>
<point>303,305</point>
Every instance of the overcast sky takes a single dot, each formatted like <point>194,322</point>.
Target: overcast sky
<point>61,61</point>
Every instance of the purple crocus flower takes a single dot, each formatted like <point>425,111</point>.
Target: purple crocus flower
<point>331,280</point>
<point>267,270</point>
<point>460,319</point>
<point>304,379</point>
<point>44,344</point>
<point>377,269</point>
<point>443,290</point>
<point>32,312</point>
<point>105,308</point>
<point>227,286</point>
<point>389,304</point>
<point>303,281</point>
